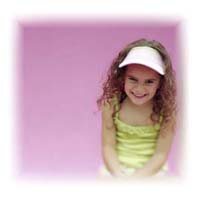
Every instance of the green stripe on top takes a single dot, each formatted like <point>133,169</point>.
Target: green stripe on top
<point>135,144</point>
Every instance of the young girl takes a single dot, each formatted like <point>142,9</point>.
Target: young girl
<point>138,111</point>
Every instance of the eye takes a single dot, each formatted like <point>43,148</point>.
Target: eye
<point>132,79</point>
<point>149,81</point>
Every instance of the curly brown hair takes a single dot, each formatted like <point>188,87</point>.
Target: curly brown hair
<point>165,97</point>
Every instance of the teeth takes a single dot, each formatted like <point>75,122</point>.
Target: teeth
<point>139,95</point>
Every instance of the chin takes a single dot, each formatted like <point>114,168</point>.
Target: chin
<point>138,102</point>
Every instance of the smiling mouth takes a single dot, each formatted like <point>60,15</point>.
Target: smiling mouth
<point>139,96</point>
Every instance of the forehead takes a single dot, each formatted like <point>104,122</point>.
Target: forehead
<point>141,70</point>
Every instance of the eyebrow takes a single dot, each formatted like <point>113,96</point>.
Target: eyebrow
<point>149,79</point>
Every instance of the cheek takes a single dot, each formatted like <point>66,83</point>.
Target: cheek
<point>154,89</point>
<point>127,86</point>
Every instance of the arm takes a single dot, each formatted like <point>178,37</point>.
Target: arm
<point>161,153</point>
<point>109,141</point>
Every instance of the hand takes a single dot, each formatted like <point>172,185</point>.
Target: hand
<point>120,174</point>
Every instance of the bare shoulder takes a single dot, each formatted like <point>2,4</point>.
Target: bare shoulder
<point>108,105</point>
<point>108,110</point>
<point>170,125</point>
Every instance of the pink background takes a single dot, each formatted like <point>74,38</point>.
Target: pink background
<point>61,67</point>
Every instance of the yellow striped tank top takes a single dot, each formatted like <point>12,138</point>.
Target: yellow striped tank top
<point>135,144</point>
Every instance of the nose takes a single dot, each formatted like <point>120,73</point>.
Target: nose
<point>139,89</point>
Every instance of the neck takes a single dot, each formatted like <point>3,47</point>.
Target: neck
<point>148,105</point>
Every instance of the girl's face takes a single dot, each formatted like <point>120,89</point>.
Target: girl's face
<point>141,83</point>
